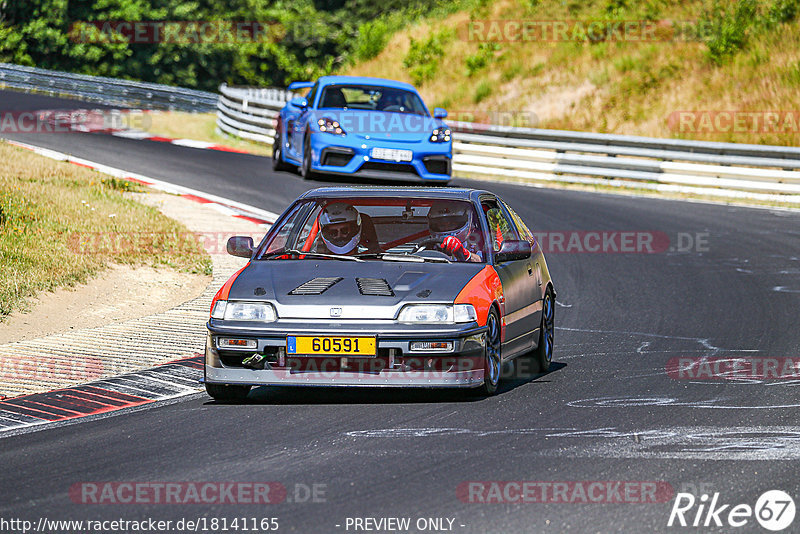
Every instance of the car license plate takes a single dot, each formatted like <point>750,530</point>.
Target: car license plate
<point>392,154</point>
<point>329,345</point>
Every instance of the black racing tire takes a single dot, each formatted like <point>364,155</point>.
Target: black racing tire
<point>543,355</point>
<point>493,357</point>
<point>220,392</point>
<point>277,151</point>
<point>305,169</point>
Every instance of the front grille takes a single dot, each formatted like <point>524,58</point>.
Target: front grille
<point>317,286</point>
<point>377,287</point>
<point>437,165</point>
<point>392,167</point>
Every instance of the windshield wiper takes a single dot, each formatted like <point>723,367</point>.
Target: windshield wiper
<point>293,252</point>
<point>409,258</point>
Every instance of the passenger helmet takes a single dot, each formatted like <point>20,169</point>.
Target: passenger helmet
<point>450,218</point>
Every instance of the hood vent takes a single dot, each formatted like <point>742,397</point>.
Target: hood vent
<point>317,286</point>
<point>377,287</point>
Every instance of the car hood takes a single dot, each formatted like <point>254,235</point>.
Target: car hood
<point>381,125</point>
<point>384,286</point>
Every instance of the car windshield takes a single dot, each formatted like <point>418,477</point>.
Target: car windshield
<point>376,229</point>
<point>371,98</point>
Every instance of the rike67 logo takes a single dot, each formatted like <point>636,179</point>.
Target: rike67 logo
<point>774,510</point>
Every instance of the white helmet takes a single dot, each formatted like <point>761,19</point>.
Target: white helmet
<point>340,225</point>
<point>450,218</point>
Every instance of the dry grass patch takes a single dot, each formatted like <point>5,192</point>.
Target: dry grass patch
<point>611,86</point>
<point>200,127</point>
<point>60,224</point>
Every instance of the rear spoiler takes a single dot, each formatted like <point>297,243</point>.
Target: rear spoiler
<point>300,85</point>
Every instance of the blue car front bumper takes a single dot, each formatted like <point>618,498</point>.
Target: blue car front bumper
<point>351,156</point>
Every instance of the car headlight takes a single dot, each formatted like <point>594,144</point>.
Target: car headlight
<point>440,135</point>
<point>326,124</point>
<point>244,311</point>
<point>438,313</point>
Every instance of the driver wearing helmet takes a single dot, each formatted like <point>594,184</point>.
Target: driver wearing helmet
<point>340,226</point>
<point>450,224</point>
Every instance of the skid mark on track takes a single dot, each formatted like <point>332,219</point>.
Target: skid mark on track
<point>719,403</point>
<point>165,382</point>
<point>754,443</point>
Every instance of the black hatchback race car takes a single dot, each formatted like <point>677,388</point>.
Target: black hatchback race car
<point>382,286</point>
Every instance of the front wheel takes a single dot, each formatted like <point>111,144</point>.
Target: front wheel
<point>305,169</point>
<point>220,392</point>
<point>544,352</point>
<point>492,357</point>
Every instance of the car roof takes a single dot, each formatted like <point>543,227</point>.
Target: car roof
<point>450,193</point>
<point>365,80</point>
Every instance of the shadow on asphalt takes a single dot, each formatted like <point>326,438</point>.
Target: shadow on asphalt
<point>299,395</point>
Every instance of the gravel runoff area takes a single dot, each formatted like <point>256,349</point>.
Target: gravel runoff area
<point>85,352</point>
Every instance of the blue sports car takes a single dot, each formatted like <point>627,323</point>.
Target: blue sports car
<point>364,128</point>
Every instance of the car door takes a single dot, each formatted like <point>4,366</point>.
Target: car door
<point>536,262</point>
<point>517,277</point>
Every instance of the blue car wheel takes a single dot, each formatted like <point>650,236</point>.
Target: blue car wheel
<point>277,153</point>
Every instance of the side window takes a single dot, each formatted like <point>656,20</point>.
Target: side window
<point>524,231</point>
<point>311,95</point>
<point>278,241</point>
<point>500,227</point>
<point>309,231</point>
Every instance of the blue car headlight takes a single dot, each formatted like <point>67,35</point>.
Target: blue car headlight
<point>328,125</point>
<point>440,135</point>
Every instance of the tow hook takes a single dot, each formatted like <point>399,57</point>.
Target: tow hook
<point>255,362</point>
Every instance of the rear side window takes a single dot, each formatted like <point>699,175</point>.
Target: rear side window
<point>524,231</point>
<point>500,227</point>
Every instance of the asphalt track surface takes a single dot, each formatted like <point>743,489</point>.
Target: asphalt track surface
<point>607,411</point>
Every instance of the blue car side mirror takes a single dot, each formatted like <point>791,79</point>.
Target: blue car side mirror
<point>439,113</point>
<point>299,102</point>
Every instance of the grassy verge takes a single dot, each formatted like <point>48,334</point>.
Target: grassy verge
<point>200,127</point>
<point>60,224</point>
<point>706,57</point>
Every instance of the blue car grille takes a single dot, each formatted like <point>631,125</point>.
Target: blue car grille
<point>393,167</point>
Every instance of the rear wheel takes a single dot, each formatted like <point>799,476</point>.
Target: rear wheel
<point>277,154</point>
<point>544,352</point>
<point>492,357</point>
<point>222,392</point>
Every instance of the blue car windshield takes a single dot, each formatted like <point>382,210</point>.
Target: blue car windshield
<point>371,98</point>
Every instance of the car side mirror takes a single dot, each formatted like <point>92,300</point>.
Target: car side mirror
<point>299,102</point>
<point>513,251</point>
<point>241,246</point>
<point>439,113</point>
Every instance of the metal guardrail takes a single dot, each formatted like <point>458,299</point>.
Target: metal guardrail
<point>110,91</point>
<point>527,154</point>
<point>727,169</point>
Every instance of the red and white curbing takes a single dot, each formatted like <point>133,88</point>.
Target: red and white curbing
<point>223,205</point>
<point>191,143</point>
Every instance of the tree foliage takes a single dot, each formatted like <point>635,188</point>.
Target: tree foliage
<point>306,38</point>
